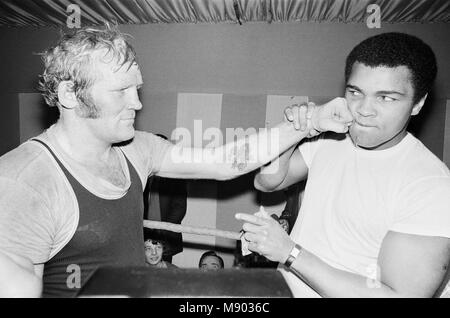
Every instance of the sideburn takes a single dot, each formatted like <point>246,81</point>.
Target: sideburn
<point>86,108</point>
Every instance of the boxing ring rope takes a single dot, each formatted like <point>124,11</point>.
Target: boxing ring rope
<point>186,282</point>
<point>172,227</point>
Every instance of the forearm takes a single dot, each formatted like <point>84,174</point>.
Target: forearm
<point>266,237</point>
<point>253,151</point>
<point>331,282</point>
<point>249,153</point>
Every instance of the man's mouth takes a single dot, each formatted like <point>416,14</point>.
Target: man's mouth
<point>130,117</point>
<point>363,124</point>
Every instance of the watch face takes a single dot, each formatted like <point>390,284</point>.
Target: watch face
<point>296,250</point>
<point>293,255</point>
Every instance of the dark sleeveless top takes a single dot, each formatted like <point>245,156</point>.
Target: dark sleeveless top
<point>109,233</point>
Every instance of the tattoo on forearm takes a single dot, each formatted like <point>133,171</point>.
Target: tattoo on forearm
<point>240,155</point>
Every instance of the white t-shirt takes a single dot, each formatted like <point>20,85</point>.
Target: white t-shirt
<point>353,197</point>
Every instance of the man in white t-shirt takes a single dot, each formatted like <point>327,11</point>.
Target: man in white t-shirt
<point>375,217</point>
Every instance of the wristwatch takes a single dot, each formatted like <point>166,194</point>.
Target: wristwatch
<point>293,255</point>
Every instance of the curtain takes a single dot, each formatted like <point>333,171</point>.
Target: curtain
<point>54,12</point>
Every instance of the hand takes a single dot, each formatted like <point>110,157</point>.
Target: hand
<point>266,236</point>
<point>300,115</point>
<point>332,116</point>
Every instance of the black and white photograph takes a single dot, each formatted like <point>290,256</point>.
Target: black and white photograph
<point>225,153</point>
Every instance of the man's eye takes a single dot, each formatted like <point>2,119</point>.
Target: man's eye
<point>385,98</point>
<point>354,93</point>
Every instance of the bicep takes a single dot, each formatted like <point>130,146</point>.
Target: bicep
<point>413,265</point>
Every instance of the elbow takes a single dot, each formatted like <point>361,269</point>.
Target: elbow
<point>260,187</point>
<point>223,175</point>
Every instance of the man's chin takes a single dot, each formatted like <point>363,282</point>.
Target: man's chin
<point>362,141</point>
<point>126,136</point>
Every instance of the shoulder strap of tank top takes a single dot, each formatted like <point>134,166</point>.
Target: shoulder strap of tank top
<point>48,148</point>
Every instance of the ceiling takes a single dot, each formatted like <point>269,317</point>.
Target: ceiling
<point>42,13</point>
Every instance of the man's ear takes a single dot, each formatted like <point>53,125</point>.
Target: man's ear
<point>417,107</point>
<point>66,95</point>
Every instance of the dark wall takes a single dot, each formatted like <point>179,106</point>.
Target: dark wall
<point>9,122</point>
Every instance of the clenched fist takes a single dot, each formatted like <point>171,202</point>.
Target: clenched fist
<point>332,116</point>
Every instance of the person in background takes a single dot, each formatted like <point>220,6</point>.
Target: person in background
<point>165,200</point>
<point>210,260</point>
<point>155,248</point>
<point>293,202</point>
<point>283,220</point>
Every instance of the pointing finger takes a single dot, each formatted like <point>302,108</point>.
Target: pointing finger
<point>250,218</point>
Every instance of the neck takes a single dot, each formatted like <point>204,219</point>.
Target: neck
<point>78,141</point>
<point>389,143</point>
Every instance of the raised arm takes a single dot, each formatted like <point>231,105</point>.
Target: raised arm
<point>232,159</point>
<point>290,167</point>
<point>251,152</point>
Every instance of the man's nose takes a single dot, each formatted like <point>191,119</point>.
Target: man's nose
<point>365,108</point>
<point>135,102</point>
